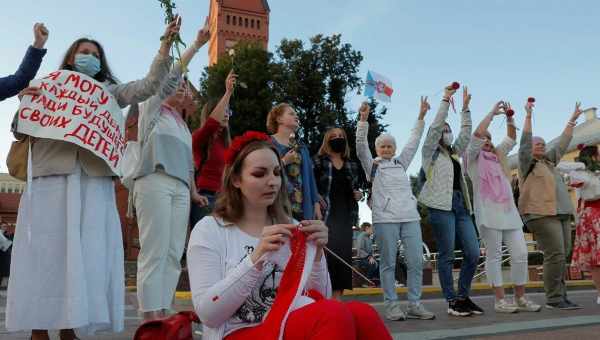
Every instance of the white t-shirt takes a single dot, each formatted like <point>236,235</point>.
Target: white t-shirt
<point>228,291</point>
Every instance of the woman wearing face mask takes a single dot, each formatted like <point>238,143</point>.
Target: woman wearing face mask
<point>69,273</point>
<point>239,289</point>
<point>209,142</point>
<point>395,215</point>
<point>545,205</point>
<point>496,214</point>
<point>163,188</point>
<point>338,181</point>
<point>282,122</point>
<point>446,196</point>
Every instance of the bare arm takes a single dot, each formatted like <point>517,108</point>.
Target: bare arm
<point>222,107</point>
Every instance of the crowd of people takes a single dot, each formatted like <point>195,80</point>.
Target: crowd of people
<point>247,198</point>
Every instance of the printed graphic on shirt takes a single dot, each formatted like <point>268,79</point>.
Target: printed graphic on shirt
<point>256,306</point>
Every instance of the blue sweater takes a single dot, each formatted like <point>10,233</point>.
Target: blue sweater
<point>13,84</point>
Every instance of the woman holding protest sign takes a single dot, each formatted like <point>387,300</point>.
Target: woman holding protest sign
<point>395,215</point>
<point>67,271</point>
<point>257,274</point>
<point>163,187</point>
<point>446,196</point>
<point>209,142</point>
<point>11,85</point>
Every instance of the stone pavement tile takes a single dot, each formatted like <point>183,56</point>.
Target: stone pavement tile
<point>573,333</point>
<point>490,322</point>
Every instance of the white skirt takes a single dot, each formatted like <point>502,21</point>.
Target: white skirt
<point>67,268</point>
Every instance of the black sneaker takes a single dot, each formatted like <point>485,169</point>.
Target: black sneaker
<point>562,305</point>
<point>573,304</point>
<point>470,305</point>
<point>457,308</point>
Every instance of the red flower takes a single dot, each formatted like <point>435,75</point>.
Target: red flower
<point>531,100</point>
<point>580,146</point>
<point>455,85</point>
<point>240,142</point>
<point>510,112</point>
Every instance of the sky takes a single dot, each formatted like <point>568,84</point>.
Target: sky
<point>500,49</point>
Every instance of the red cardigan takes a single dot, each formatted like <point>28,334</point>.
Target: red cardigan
<point>211,174</point>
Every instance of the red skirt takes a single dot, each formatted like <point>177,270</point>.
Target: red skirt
<point>586,248</point>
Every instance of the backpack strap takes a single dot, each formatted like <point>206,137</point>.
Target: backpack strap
<point>373,171</point>
<point>434,157</point>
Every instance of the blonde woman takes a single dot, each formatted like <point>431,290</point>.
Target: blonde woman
<point>338,182</point>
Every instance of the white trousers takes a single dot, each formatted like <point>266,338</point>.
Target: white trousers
<point>162,206</point>
<point>517,248</point>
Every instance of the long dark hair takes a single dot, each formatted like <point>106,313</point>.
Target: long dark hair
<point>586,156</point>
<point>105,73</point>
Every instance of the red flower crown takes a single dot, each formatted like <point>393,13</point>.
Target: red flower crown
<point>581,146</point>
<point>239,142</point>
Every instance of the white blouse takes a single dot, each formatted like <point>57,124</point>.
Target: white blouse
<point>228,291</point>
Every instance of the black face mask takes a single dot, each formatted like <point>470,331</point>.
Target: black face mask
<point>337,145</point>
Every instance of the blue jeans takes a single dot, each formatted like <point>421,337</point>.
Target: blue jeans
<point>197,212</point>
<point>386,237</point>
<point>448,227</point>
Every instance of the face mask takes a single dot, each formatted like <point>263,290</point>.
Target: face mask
<point>338,145</point>
<point>447,137</point>
<point>87,64</point>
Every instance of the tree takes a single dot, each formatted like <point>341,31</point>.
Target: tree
<point>251,104</point>
<point>314,80</point>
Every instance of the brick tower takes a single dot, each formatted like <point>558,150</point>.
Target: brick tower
<point>232,21</point>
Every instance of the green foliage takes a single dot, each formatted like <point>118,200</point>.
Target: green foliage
<point>249,105</point>
<point>315,79</point>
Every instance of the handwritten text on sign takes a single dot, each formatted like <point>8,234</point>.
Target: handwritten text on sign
<point>77,109</point>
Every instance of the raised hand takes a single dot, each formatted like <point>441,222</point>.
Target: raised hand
<point>171,31</point>
<point>364,111</point>
<point>466,99</point>
<point>40,35</point>
<point>529,107</point>
<point>424,107</point>
<point>203,35</point>
<point>230,82</point>
<point>449,91</point>
<point>497,109</point>
<point>577,112</point>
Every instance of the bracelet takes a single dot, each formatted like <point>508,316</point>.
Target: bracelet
<point>446,100</point>
<point>571,123</point>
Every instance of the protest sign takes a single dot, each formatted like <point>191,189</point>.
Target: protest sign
<point>78,109</point>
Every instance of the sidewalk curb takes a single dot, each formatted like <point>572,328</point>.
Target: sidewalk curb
<point>186,295</point>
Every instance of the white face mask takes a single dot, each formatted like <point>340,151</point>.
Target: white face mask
<point>447,137</point>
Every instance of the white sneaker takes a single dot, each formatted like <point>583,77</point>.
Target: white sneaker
<point>525,305</point>
<point>502,306</point>
<point>598,300</point>
<point>393,311</point>
<point>418,311</point>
